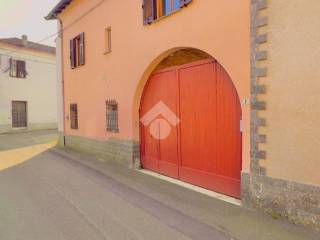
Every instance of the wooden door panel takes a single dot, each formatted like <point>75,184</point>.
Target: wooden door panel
<point>228,127</point>
<point>205,147</point>
<point>150,151</point>
<point>198,117</point>
<point>168,161</point>
<point>160,153</point>
<point>210,137</point>
<point>211,181</point>
<point>19,114</point>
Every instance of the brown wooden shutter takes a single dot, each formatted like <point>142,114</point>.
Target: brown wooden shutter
<point>24,70</point>
<point>72,54</point>
<point>148,11</point>
<point>13,68</point>
<point>21,69</point>
<point>18,68</point>
<point>82,49</point>
<point>184,3</point>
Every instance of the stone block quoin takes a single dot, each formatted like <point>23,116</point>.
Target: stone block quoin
<point>259,70</point>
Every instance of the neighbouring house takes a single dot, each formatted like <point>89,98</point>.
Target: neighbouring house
<point>219,94</point>
<point>28,89</point>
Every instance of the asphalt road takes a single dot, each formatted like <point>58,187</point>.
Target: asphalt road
<point>51,194</point>
<point>50,197</point>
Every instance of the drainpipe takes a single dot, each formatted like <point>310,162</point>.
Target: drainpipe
<point>60,84</point>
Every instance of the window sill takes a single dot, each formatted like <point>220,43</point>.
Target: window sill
<point>19,128</point>
<point>107,52</point>
<point>18,77</point>
<point>77,67</point>
<point>113,131</point>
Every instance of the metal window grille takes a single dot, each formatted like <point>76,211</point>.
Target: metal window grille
<point>74,116</point>
<point>112,116</point>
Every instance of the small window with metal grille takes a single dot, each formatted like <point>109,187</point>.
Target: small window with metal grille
<point>112,116</point>
<point>74,116</point>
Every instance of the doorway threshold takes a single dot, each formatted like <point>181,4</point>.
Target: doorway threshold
<point>201,190</point>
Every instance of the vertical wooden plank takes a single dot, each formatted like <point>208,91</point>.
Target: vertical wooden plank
<point>160,154</point>
<point>229,113</point>
<point>168,163</point>
<point>198,117</point>
<point>150,155</point>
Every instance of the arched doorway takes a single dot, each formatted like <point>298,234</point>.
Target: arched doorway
<point>190,117</point>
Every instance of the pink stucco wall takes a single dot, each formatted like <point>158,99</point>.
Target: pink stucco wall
<point>220,28</point>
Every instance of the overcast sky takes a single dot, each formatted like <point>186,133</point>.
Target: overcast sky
<point>18,17</point>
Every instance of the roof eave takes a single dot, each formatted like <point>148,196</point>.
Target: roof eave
<point>53,15</point>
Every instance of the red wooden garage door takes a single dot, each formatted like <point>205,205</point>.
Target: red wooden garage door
<point>199,105</point>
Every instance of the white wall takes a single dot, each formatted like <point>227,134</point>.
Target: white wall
<point>39,89</point>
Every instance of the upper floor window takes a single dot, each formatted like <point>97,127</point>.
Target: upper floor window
<point>107,40</point>
<point>154,9</point>
<point>18,68</point>
<point>77,49</point>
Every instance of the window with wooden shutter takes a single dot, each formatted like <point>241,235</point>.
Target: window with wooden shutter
<point>74,116</point>
<point>18,68</point>
<point>77,51</point>
<point>112,116</point>
<point>154,9</point>
<point>149,10</point>
<point>21,69</point>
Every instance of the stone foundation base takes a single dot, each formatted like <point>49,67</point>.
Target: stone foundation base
<point>42,126</point>
<point>6,128</point>
<point>124,151</point>
<point>300,203</point>
<point>61,139</point>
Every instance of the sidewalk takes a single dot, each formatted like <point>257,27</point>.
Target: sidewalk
<point>230,219</point>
